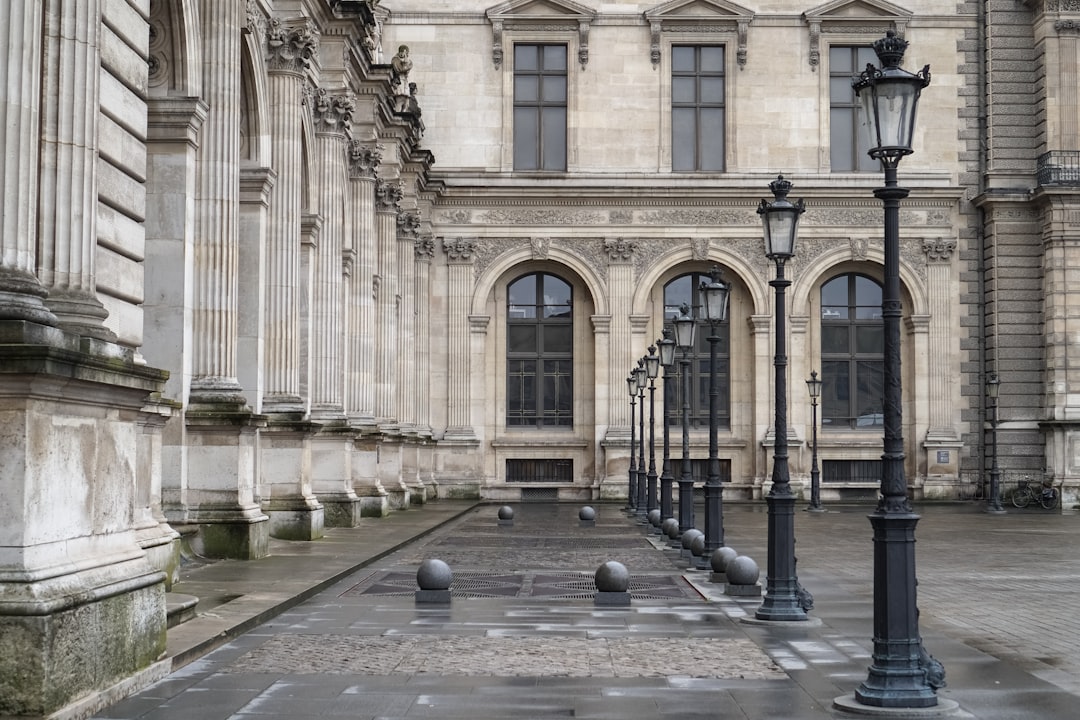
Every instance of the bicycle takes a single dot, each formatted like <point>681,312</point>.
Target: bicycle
<point>1045,494</point>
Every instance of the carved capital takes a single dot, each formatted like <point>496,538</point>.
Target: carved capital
<point>619,250</point>
<point>459,249</point>
<point>938,249</point>
<point>425,248</point>
<point>387,196</point>
<point>364,159</point>
<point>332,113</point>
<point>291,47</point>
<point>408,224</point>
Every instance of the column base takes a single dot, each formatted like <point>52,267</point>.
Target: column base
<point>374,505</point>
<point>242,538</point>
<point>399,497</point>
<point>297,518</point>
<point>341,511</point>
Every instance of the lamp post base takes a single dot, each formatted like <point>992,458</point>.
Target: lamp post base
<point>782,597</point>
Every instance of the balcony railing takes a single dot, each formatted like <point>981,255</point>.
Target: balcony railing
<point>1058,167</point>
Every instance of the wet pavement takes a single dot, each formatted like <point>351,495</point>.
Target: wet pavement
<point>331,628</point>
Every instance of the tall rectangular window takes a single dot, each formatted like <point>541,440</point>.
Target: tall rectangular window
<point>847,142</point>
<point>540,107</point>
<point>697,108</point>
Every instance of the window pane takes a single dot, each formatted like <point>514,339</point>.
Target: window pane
<point>835,389</point>
<point>554,89</point>
<point>682,59</point>
<point>712,139</point>
<point>712,90</point>
<point>526,133</point>
<point>677,292</point>
<point>683,139</point>
<point>840,92</point>
<point>683,90</point>
<point>558,339</point>
<point>556,291</point>
<point>840,59</point>
<point>841,135</point>
<point>834,339</point>
<point>526,58</point>
<point>523,291</point>
<point>869,339</point>
<point>554,58</point>
<point>521,339</point>
<point>870,386</point>
<point>526,88</point>
<point>867,292</point>
<point>554,139</point>
<point>712,59</point>
<point>835,292</point>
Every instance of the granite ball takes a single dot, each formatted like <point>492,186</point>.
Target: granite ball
<point>586,513</point>
<point>721,557</point>
<point>673,530</point>
<point>654,517</point>
<point>665,527</point>
<point>742,571</point>
<point>612,576</point>
<point>434,574</point>
<point>688,537</point>
<point>697,545</point>
<point>506,513</point>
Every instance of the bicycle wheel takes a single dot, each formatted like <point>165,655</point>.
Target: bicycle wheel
<point>1021,496</point>
<point>1049,500</point>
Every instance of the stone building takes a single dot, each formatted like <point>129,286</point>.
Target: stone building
<point>269,266</point>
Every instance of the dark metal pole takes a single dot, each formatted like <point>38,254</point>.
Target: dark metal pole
<point>782,600</point>
<point>901,672</point>
<point>642,479</point>
<point>650,501</point>
<point>631,493</point>
<point>686,477</point>
<point>714,491</point>
<point>665,473</point>
<point>815,474</point>
<point>994,504</point>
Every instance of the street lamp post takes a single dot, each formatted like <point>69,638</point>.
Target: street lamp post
<point>994,504</point>
<point>813,386</point>
<point>715,302</point>
<point>631,492</point>
<point>667,361</point>
<point>641,375</point>
<point>902,674</point>
<point>784,598</point>
<point>652,370</point>
<point>684,338</point>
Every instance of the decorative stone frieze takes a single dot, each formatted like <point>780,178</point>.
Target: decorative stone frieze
<point>699,248</point>
<point>619,250</point>
<point>291,48</point>
<point>541,246</point>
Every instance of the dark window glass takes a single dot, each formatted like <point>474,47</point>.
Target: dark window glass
<point>697,108</point>
<point>540,91</point>
<point>852,337</point>
<point>539,352</point>
<point>847,142</point>
<point>686,289</point>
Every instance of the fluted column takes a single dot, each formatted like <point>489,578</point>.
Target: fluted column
<point>289,55</point>
<point>67,208</point>
<point>387,197</point>
<point>21,294</point>
<point>459,258</point>
<point>622,356</point>
<point>420,369</point>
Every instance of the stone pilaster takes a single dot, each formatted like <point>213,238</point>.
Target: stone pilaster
<point>221,430</point>
<point>67,208</point>
<point>622,354</point>
<point>408,228</point>
<point>387,312</point>
<point>459,258</point>
<point>426,488</point>
<point>937,351</point>
<point>21,293</point>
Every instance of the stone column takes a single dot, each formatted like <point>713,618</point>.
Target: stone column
<point>935,401</point>
<point>387,297</point>
<point>427,485</point>
<point>408,231</point>
<point>221,429</point>
<point>622,356</point>
<point>762,394</point>
<point>332,446</point>
<point>360,401</point>
<point>287,497</point>
<point>67,208</point>
<point>21,293</point>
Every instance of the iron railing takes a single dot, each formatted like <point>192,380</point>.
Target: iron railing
<point>1058,167</point>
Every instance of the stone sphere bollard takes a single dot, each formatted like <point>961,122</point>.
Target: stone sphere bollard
<point>697,552</point>
<point>742,577</point>
<point>673,534</point>
<point>433,577</point>
<point>654,517</point>
<point>612,585</point>
<point>688,538</point>
<point>719,560</point>
<point>506,516</point>
<point>665,527</point>
<point>587,517</point>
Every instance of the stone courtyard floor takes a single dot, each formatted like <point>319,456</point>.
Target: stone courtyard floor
<point>999,598</point>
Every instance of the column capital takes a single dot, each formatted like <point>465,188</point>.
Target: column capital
<point>387,196</point>
<point>332,113</point>
<point>408,224</point>
<point>364,159</point>
<point>459,250</point>
<point>938,249</point>
<point>619,250</point>
<point>425,248</point>
<point>291,46</point>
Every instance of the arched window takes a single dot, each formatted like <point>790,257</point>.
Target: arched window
<point>539,352</point>
<point>687,289</point>
<point>852,361</point>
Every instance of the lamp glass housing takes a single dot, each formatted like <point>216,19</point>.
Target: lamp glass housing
<point>888,100</point>
<point>992,385</point>
<point>813,385</point>
<point>640,375</point>
<point>652,363</point>
<point>685,326</point>
<point>667,349</point>
<point>715,297</point>
<point>631,384</point>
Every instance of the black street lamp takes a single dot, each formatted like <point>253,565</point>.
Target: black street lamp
<point>715,302</point>
<point>903,674</point>
<point>783,599</point>
<point>813,386</point>
<point>652,370</point>
<point>667,361</point>
<point>994,504</point>
<point>641,377</point>
<point>684,338</point>
<point>631,492</point>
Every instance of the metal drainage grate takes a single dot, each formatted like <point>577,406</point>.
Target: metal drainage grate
<point>539,494</point>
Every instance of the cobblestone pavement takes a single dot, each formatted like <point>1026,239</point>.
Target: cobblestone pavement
<point>998,596</point>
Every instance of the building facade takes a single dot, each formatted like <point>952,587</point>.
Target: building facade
<point>269,266</point>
